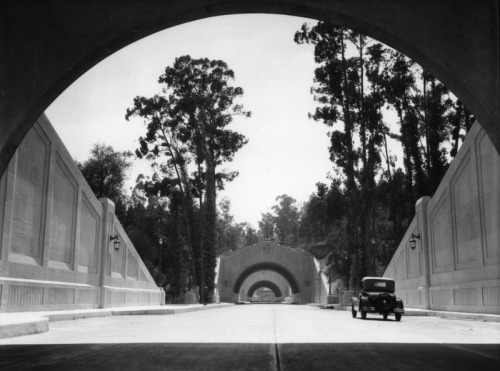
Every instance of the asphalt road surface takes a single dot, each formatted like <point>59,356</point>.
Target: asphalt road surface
<point>257,337</point>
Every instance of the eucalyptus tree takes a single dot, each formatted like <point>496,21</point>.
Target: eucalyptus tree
<point>188,122</point>
<point>163,140</point>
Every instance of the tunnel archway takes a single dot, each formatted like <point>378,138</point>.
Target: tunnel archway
<point>278,268</point>
<point>50,45</point>
<point>267,284</point>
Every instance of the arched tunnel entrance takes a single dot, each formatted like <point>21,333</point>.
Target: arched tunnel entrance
<point>296,268</point>
<point>266,284</point>
<point>282,270</point>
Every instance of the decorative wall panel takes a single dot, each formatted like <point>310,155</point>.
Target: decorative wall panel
<point>132,266</point>
<point>441,239</point>
<point>88,296</point>
<point>413,262</point>
<point>400,266</point>
<point>60,295</point>
<point>412,299</point>
<point>142,276</point>
<point>144,297</point>
<point>29,195</point>
<point>132,297</point>
<point>117,297</point>
<point>441,297</point>
<point>25,296</point>
<point>490,183</point>
<point>491,296</point>
<point>466,296</point>
<point>465,212</point>
<point>89,236</point>
<point>63,215</point>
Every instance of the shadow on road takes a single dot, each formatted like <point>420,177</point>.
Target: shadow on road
<point>211,356</point>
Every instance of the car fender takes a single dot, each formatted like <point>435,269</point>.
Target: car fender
<point>399,303</point>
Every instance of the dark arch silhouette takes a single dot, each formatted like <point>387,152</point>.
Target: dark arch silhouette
<point>267,284</point>
<point>278,268</point>
<point>49,45</point>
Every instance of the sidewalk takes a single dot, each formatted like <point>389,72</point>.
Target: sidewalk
<point>29,323</point>
<point>428,313</point>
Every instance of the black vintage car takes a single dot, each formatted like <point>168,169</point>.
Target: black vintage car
<point>377,296</point>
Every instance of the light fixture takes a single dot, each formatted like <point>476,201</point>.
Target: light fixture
<point>413,241</point>
<point>116,241</point>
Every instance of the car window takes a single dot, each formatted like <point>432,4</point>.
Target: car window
<point>378,285</point>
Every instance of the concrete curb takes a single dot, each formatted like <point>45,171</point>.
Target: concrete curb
<point>416,312</point>
<point>27,326</point>
<point>30,323</point>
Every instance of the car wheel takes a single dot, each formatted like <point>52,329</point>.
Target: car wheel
<point>353,311</point>
<point>362,311</point>
<point>385,315</point>
<point>398,316</point>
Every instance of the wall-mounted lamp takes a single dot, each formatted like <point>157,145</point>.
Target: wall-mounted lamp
<point>116,242</point>
<point>413,241</point>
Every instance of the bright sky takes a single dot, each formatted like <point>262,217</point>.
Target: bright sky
<point>287,152</point>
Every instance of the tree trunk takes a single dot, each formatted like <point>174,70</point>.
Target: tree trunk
<point>210,244</point>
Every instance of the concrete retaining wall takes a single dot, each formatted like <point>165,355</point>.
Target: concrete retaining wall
<point>54,236</point>
<point>456,264</point>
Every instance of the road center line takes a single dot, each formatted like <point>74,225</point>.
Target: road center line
<point>276,364</point>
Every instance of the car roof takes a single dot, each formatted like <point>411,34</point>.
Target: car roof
<point>377,278</point>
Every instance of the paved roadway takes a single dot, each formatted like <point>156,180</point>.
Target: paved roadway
<point>257,337</point>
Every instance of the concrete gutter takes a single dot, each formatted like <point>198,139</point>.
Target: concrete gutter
<point>412,312</point>
<point>29,323</point>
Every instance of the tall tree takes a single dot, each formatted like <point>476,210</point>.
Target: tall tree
<point>341,94</point>
<point>195,107</point>
<point>164,139</point>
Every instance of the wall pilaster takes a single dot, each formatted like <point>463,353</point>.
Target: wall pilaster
<point>108,215</point>
<point>424,245</point>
